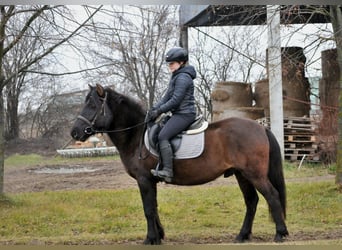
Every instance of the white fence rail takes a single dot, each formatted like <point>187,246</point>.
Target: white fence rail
<point>87,152</point>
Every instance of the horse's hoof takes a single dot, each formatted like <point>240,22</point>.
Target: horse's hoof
<point>241,238</point>
<point>280,237</point>
<point>149,241</point>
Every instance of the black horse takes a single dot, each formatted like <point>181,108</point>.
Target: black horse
<point>232,146</point>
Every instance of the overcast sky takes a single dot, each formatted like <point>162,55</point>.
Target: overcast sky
<point>303,37</point>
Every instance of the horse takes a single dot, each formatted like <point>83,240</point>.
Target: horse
<point>233,146</point>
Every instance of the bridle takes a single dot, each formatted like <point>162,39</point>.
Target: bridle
<point>91,130</point>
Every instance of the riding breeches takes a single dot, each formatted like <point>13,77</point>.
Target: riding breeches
<point>176,124</point>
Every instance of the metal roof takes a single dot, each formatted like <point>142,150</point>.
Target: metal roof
<point>226,15</point>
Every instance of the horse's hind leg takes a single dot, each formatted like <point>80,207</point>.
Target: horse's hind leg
<point>272,197</point>
<point>251,200</point>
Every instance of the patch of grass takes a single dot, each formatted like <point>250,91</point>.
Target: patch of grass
<point>95,217</point>
<point>32,160</point>
<point>18,160</point>
<point>69,214</point>
<point>292,170</point>
<point>7,202</point>
<point>315,205</point>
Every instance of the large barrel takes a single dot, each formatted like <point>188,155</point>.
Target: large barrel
<point>296,87</point>
<point>329,85</point>
<point>233,99</point>
<point>329,89</point>
<point>261,96</point>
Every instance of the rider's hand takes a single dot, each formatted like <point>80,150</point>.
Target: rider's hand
<point>153,114</point>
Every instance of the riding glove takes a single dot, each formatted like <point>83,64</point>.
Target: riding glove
<point>153,114</point>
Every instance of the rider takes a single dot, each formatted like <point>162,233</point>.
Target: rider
<point>180,101</point>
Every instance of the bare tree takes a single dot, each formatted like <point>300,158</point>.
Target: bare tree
<point>230,56</point>
<point>133,45</point>
<point>27,17</point>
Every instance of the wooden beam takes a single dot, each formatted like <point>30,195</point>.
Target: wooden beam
<point>275,74</point>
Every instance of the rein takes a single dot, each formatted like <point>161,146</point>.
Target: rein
<point>90,130</point>
<point>119,130</point>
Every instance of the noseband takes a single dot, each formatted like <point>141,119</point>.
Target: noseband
<point>91,130</point>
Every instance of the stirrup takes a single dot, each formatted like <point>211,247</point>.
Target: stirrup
<point>167,179</point>
<point>155,173</point>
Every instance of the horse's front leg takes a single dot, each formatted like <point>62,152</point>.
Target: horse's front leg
<point>148,191</point>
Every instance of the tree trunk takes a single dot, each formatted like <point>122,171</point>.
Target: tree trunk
<point>2,140</point>
<point>336,21</point>
<point>12,120</point>
<point>2,85</point>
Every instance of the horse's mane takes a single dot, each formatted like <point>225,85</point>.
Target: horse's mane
<point>123,103</point>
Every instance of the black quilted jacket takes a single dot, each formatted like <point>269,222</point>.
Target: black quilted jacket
<point>179,96</point>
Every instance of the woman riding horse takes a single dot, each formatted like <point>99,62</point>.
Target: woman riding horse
<point>179,100</point>
<point>232,146</point>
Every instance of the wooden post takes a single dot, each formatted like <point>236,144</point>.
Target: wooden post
<point>336,21</point>
<point>183,40</point>
<point>2,139</point>
<point>186,13</point>
<point>275,74</point>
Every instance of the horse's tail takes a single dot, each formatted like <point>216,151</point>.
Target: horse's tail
<point>275,169</point>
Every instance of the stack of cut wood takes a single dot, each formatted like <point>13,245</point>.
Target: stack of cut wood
<point>299,138</point>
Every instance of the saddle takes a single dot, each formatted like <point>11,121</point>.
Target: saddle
<point>187,144</point>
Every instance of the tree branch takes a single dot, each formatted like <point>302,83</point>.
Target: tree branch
<point>26,26</point>
<point>49,50</point>
<point>67,73</point>
<point>233,49</point>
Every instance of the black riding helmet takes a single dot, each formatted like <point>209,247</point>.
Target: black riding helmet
<point>177,54</point>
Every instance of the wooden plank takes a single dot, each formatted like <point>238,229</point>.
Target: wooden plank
<point>300,138</point>
<point>301,145</point>
<point>300,151</point>
<point>290,145</point>
<point>298,157</point>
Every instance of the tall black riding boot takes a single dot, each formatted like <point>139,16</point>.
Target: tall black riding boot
<point>166,155</point>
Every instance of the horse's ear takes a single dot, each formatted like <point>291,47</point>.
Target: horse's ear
<point>100,91</point>
<point>90,87</point>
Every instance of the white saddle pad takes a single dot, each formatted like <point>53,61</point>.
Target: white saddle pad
<point>191,146</point>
